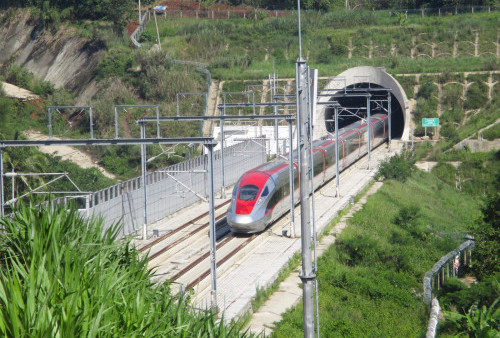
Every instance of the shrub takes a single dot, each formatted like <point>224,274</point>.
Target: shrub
<point>407,217</point>
<point>147,36</point>
<point>492,133</point>
<point>426,89</point>
<point>115,63</point>
<point>445,172</point>
<point>477,95</point>
<point>398,167</point>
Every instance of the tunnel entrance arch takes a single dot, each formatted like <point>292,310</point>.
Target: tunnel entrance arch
<point>363,80</point>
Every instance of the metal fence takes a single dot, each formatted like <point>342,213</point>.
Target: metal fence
<point>443,11</point>
<point>224,14</point>
<point>138,31</point>
<point>172,188</point>
<point>261,13</point>
<point>446,267</point>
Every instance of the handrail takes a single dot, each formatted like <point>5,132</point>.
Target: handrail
<point>437,271</point>
<point>437,268</point>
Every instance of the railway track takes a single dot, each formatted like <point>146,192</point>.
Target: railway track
<point>182,255</point>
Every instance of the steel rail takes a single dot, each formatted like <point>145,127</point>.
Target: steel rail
<point>221,261</point>
<point>200,259</point>
<point>182,238</point>
<point>185,225</point>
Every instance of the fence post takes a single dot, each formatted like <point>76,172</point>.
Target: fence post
<point>196,14</point>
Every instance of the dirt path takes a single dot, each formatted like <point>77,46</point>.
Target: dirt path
<point>67,153</point>
<point>18,92</point>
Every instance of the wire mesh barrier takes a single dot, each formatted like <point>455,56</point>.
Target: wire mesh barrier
<point>447,266</point>
<point>172,188</point>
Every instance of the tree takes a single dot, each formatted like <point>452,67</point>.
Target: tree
<point>487,236</point>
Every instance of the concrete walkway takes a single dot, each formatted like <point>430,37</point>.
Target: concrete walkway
<point>289,292</point>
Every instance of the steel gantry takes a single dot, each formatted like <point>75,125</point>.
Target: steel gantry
<point>223,117</point>
<point>208,142</point>
<point>69,121</point>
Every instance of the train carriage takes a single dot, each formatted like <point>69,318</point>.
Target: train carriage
<point>262,194</point>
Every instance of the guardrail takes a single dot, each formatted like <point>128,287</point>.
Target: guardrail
<point>142,25</point>
<point>446,267</point>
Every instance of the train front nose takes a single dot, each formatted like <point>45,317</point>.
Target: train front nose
<point>244,223</point>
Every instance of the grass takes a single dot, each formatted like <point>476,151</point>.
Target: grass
<point>492,133</point>
<point>61,276</point>
<point>248,49</point>
<point>370,280</point>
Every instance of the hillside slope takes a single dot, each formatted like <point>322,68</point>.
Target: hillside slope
<point>61,57</point>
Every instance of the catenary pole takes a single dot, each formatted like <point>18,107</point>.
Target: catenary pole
<point>337,157</point>
<point>313,94</point>
<point>369,133</point>
<point>1,184</point>
<point>291,182</point>
<point>307,275</point>
<point>211,210</point>
<point>389,109</point>
<point>144,184</point>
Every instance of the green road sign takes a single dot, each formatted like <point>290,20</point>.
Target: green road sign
<point>434,122</point>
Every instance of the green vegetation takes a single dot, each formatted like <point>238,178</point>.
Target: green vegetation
<point>399,167</point>
<point>492,133</point>
<point>475,174</point>
<point>474,310</point>
<point>244,49</point>
<point>370,280</point>
<point>60,277</point>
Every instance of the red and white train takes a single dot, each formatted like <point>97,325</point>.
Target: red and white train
<point>261,194</point>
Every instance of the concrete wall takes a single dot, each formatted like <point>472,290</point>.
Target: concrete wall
<point>479,146</point>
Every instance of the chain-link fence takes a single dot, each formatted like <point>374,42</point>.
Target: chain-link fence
<point>172,188</point>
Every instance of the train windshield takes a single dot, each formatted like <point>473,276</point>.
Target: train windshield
<point>248,192</point>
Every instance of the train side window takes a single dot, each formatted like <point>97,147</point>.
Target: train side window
<point>265,192</point>
<point>235,190</point>
<point>318,165</point>
<point>248,192</point>
<point>275,198</point>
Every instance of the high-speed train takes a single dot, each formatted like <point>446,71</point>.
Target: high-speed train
<point>261,194</point>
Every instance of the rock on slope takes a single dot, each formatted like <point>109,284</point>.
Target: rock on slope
<point>62,57</point>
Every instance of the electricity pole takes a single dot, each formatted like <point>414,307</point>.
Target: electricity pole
<point>307,274</point>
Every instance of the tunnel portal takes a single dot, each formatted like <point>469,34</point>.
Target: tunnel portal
<point>350,90</point>
<point>352,108</point>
